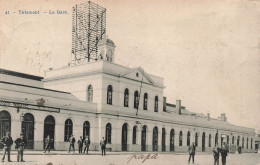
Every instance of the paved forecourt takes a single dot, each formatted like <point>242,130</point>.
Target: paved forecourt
<point>114,158</point>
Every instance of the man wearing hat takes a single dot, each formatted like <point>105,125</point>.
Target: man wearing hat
<point>20,143</point>
<point>7,141</point>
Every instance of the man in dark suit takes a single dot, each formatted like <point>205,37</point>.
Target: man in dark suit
<point>216,151</point>
<point>87,144</point>
<point>7,141</point>
<point>80,143</point>
<point>224,151</point>
<point>20,143</point>
<point>192,150</point>
<point>103,146</point>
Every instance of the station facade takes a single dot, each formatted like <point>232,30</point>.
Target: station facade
<point>101,99</point>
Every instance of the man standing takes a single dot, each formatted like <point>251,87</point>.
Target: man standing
<point>192,152</point>
<point>80,143</point>
<point>224,151</point>
<point>48,141</point>
<point>216,151</point>
<point>103,146</point>
<point>20,143</point>
<point>7,142</point>
<point>72,142</point>
<point>87,144</point>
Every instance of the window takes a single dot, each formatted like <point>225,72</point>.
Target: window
<point>180,139</point>
<point>136,99</point>
<point>216,139</point>
<point>233,140</point>
<point>227,139</point>
<point>196,139</point>
<point>243,142</point>
<point>145,101</point>
<point>68,130</point>
<point>156,104</point>
<point>126,97</point>
<point>134,134</point>
<point>86,129</point>
<point>238,138</point>
<point>209,140</point>
<point>108,133</point>
<point>188,138</point>
<point>90,93</point>
<point>109,94</point>
<point>251,143</point>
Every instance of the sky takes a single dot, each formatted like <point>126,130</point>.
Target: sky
<point>207,51</point>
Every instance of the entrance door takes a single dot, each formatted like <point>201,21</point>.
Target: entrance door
<point>203,142</point>
<point>5,124</point>
<point>124,137</point>
<point>49,129</point>
<point>28,130</point>
<point>143,140</point>
<point>172,140</point>
<point>155,139</point>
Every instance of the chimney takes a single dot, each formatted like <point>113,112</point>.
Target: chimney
<point>178,106</point>
<point>223,117</point>
<point>164,104</point>
<point>208,115</point>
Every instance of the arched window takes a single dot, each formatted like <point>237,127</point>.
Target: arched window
<point>246,143</point>
<point>163,139</point>
<point>238,138</point>
<point>233,139</point>
<point>196,139</point>
<point>180,139</point>
<point>156,104</point>
<point>172,140</point>
<point>68,130</point>
<point>243,142</point>
<point>108,133</point>
<point>86,129</point>
<point>126,97</point>
<point>109,94</point>
<point>188,138</point>
<point>28,130</point>
<point>5,123</point>
<point>134,134</point>
<point>216,139</point>
<point>155,139</point>
<point>145,101</point>
<point>90,93</point>
<point>227,139</point>
<point>251,143</point>
<point>136,99</point>
<point>209,140</point>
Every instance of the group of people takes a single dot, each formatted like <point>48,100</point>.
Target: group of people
<point>7,142</point>
<point>223,150</point>
<point>81,143</point>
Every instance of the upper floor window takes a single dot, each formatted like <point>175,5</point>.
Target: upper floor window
<point>68,130</point>
<point>126,97</point>
<point>145,101</point>
<point>136,99</point>
<point>109,94</point>
<point>156,104</point>
<point>90,93</point>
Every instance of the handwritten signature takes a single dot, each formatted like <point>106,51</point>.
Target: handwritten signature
<point>143,157</point>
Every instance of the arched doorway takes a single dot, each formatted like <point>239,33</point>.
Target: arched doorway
<point>172,140</point>
<point>124,137</point>
<point>155,139</point>
<point>5,124</point>
<point>28,130</point>
<point>163,139</point>
<point>86,129</point>
<point>143,140</point>
<point>49,129</point>
<point>203,142</point>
